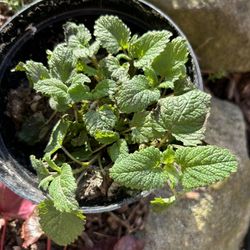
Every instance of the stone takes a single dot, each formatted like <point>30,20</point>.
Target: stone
<point>219,31</point>
<point>209,218</point>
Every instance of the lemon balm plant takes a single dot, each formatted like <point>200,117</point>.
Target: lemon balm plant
<point>125,109</point>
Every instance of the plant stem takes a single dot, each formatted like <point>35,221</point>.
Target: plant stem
<point>52,165</point>
<point>75,112</point>
<point>94,62</point>
<point>48,244</point>
<point>84,164</point>
<point>126,131</point>
<point>99,149</point>
<point>172,189</point>
<point>163,140</point>
<point>50,118</point>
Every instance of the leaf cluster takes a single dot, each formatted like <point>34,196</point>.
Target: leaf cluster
<point>127,105</point>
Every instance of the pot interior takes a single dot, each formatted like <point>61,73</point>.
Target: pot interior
<point>39,28</point>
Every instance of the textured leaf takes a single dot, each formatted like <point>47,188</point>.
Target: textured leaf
<point>151,75</point>
<point>118,150</point>
<point>168,156</point>
<point>77,90</point>
<point>59,104</point>
<point>171,62</point>
<point>62,190</point>
<point>136,94</point>
<point>41,170</point>
<point>184,116</point>
<point>57,136</point>
<point>87,52</point>
<point>116,70</point>
<point>77,36</point>
<point>146,48</point>
<point>112,33</point>
<point>183,86</point>
<point>99,120</point>
<point>140,170</point>
<point>62,227</point>
<point>103,89</point>
<point>35,71</point>
<point>204,165</point>
<point>52,87</point>
<point>61,63</point>
<point>106,136</point>
<point>144,127</point>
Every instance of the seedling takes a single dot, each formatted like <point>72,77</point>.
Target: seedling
<point>125,105</point>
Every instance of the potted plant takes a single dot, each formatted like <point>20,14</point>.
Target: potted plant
<point>116,110</point>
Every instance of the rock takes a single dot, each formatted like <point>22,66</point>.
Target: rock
<point>213,218</point>
<point>219,30</point>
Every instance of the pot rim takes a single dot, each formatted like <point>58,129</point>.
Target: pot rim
<point>143,194</point>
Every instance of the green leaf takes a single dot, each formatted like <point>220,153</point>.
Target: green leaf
<point>62,190</point>
<point>144,127</point>
<point>99,120</point>
<point>63,228</point>
<point>106,136</point>
<point>103,89</point>
<point>44,183</point>
<point>35,71</point>
<point>118,150</point>
<point>168,156</point>
<point>59,104</point>
<point>57,136</point>
<point>116,70</point>
<point>77,90</point>
<point>82,67</point>
<point>183,86</point>
<point>77,36</point>
<point>136,94</point>
<point>140,170</point>
<point>61,63</point>
<point>146,48</point>
<point>171,62</point>
<point>159,204</point>
<point>41,169</point>
<point>184,116</point>
<point>112,33</point>
<point>151,75</point>
<point>52,87</point>
<point>87,52</point>
<point>204,165</point>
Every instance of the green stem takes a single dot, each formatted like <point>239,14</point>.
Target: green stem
<point>50,118</point>
<point>164,140</point>
<point>94,62</point>
<point>99,149</point>
<point>79,170</point>
<point>75,112</point>
<point>84,164</point>
<point>53,165</point>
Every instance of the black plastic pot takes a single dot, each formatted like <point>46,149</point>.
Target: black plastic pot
<point>38,27</point>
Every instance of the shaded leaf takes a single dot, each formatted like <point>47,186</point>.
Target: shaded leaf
<point>62,227</point>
